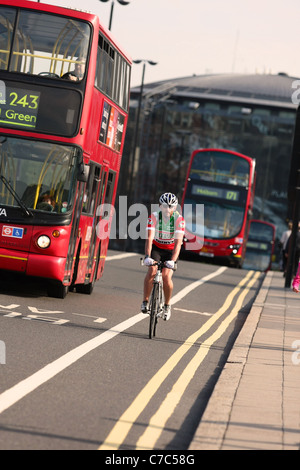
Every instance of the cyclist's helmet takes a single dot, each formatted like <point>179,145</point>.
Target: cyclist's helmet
<point>168,198</point>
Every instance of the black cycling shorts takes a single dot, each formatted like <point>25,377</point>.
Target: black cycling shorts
<point>158,254</point>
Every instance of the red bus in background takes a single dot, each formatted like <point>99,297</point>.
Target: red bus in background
<point>260,246</point>
<point>64,98</point>
<point>224,182</point>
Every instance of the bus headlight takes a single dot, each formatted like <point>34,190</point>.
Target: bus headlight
<point>234,248</point>
<point>43,241</point>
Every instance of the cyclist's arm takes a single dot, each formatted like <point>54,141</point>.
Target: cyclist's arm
<point>150,231</point>
<point>177,247</point>
<point>179,234</point>
<point>149,242</point>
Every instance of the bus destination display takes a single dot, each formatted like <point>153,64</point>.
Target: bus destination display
<point>214,192</point>
<point>18,107</point>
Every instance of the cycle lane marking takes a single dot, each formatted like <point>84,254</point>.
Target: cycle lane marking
<point>206,314</point>
<point>158,421</point>
<point>31,383</point>
<point>121,429</point>
<point>97,319</point>
<point>120,256</point>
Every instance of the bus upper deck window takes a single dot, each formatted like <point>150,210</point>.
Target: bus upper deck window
<point>44,44</point>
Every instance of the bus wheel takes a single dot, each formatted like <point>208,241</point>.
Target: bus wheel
<point>57,290</point>
<point>238,265</point>
<point>85,288</point>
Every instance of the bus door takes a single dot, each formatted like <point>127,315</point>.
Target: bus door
<point>74,233</point>
<point>101,224</point>
<point>106,216</point>
<point>95,242</point>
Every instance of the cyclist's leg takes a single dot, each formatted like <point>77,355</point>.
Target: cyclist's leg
<point>148,281</point>
<point>168,284</point>
<point>167,277</point>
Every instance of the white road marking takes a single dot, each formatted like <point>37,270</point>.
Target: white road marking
<point>42,311</point>
<point>10,307</point>
<point>121,256</point>
<point>54,321</point>
<point>193,311</point>
<point>13,315</point>
<point>98,319</point>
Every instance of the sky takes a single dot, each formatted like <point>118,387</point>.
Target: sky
<point>195,37</point>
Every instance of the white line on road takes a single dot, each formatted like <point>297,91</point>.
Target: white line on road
<point>121,256</point>
<point>98,319</point>
<point>193,311</point>
<point>28,385</point>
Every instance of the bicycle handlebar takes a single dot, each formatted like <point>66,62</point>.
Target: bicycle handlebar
<point>160,264</point>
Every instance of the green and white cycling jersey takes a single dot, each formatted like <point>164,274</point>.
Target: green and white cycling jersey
<point>166,229</point>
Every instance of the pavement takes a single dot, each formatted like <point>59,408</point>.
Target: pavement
<point>255,404</point>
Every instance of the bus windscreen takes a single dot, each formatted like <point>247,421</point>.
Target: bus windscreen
<point>219,181</point>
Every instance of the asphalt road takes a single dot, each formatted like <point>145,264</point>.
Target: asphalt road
<point>81,373</point>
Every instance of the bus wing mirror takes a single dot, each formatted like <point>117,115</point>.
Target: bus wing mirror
<point>83,172</point>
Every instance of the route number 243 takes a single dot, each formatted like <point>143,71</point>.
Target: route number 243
<point>26,101</point>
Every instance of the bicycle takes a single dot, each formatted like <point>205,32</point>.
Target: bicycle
<point>157,298</point>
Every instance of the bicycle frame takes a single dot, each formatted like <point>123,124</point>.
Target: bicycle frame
<point>156,300</point>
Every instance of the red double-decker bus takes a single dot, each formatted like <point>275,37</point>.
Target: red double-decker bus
<point>64,92</point>
<point>224,182</point>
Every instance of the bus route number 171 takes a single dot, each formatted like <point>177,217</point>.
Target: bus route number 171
<point>232,195</point>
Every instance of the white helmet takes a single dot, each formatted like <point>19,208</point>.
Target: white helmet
<point>169,199</point>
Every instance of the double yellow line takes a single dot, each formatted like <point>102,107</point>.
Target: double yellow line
<point>157,423</point>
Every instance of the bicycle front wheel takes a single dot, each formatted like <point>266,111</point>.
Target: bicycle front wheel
<point>154,305</point>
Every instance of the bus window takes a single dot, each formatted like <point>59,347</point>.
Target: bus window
<point>221,168</point>
<point>112,74</point>
<point>93,183</point>
<point>44,44</point>
<point>105,66</point>
<point>7,19</point>
<point>110,187</point>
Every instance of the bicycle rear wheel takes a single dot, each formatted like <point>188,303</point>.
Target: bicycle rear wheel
<point>154,305</point>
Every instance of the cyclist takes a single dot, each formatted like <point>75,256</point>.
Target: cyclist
<point>165,231</point>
